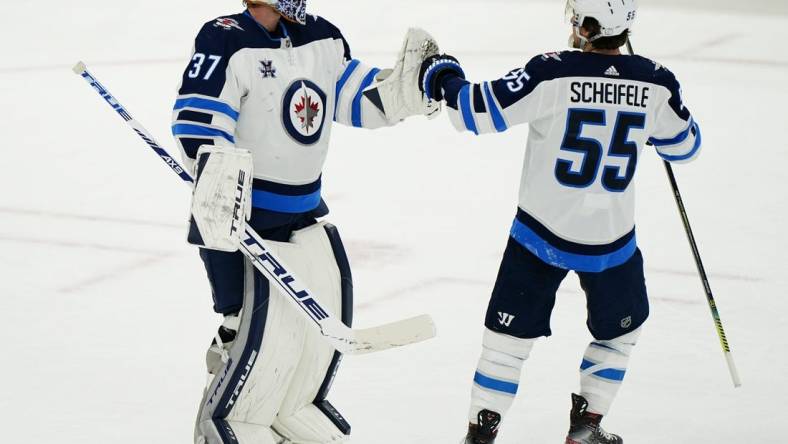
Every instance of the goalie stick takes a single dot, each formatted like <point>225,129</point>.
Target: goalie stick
<point>715,314</point>
<point>345,339</point>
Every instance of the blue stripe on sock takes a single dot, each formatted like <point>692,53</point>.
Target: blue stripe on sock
<point>612,374</point>
<point>495,384</point>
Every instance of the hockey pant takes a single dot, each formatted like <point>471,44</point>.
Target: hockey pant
<point>278,370</point>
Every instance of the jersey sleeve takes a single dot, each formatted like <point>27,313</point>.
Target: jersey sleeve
<point>676,135</point>
<point>209,97</point>
<point>497,105</point>
<point>352,107</point>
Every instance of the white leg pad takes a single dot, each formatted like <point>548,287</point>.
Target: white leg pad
<point>278,364</point>
<point>316,355</point>
<point>309,426</point>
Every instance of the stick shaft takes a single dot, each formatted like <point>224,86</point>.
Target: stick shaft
<point>280,275</point>
<point>715,314</point>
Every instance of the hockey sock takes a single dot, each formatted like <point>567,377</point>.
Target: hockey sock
<point>498,373</point>
<point>603,369</point>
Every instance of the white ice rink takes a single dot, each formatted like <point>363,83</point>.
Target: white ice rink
<point>106,311</point>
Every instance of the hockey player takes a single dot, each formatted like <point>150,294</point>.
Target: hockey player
<point>591,113</point>
<point>256,104</point>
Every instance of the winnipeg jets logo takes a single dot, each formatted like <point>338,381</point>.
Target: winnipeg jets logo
<point>227,24</point>
<point>505,319</point>
<point>307,111</point>
<point>304,113</point>
<point>267,69</point>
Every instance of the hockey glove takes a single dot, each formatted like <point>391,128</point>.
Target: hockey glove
<point>434,70</point>
<point>396,92</point>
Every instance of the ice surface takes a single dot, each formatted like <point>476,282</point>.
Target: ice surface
<point>106,310</point>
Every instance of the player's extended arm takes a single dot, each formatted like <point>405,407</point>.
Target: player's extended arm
<point>371,98</point>
<point>209,97</point>
<point>481,108</point>
<point>677,135</point>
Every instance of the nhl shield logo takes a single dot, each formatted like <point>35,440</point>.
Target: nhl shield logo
<point>304,111</point>
<point>626,322</point>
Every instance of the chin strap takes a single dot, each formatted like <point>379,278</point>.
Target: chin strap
<point>579,42</point>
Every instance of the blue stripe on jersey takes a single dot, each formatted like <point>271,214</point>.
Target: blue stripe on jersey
<point>692,153</point>
<point>356,109</point>
<point>495,384</point>
<point>680,137</point>
<point>611,374</point>
<point>593,259</point>
<point>465,109</point>
<point>182,129</point>
<point>281,203</point>
<point>207,105</point>
<point>495,113</point>
<point>351,68</point>
<point>291,199</point>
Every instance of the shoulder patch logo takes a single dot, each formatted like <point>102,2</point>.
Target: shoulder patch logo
<point>267,69</point>
<point>612,72</point>
<point>227,24</point>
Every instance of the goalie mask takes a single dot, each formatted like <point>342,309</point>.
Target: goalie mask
<point>614,18</point>
<point>293,10</point>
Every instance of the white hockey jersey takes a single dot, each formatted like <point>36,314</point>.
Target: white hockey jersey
<point>277,95</point>
<point>590,117</point>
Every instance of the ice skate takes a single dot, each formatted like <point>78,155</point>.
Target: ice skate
<point>585,428</point>
<point>485,431</point>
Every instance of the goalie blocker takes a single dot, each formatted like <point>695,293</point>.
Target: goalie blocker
<point>221,201</point>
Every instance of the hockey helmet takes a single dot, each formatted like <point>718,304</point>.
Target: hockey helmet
<point>293,10</point>
<point>614,16</point>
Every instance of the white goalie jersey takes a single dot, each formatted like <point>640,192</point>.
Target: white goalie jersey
<point>277,95</point>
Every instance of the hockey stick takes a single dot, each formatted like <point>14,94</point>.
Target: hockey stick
<point>343,338</point>
<point>715,314</point>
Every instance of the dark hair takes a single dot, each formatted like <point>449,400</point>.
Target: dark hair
<point>592,26</point>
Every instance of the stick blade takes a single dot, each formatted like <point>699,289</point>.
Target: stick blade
<point>388,336</point>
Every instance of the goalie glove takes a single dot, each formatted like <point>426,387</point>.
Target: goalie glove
<point>221,202</point>
<point>396,92</point>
